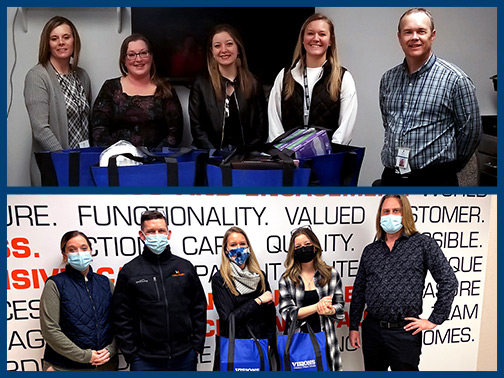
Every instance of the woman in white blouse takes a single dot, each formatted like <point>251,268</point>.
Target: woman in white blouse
<point>315,89</point>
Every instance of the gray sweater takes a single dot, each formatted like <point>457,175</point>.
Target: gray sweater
<point>46,107</point>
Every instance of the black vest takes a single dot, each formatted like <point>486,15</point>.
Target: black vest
<point>84,314</point>
<point>323,111</point>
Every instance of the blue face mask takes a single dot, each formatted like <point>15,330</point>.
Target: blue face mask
<point>240,254</point>
<point>79,260</point>
<point>156,243</point>
<point>391,223</point>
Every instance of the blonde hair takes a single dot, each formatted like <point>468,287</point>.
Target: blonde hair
<point>407,216</point>
<point>247,81</point>
<point>334,83</point>
<point>293,268</point>
<point>252,264</point>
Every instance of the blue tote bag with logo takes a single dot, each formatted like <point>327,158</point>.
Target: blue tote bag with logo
<point>302,351</point>
<point>243,354</point>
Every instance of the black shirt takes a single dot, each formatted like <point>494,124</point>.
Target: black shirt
<point>311,297</point>
<point>391,282</point>
<point>260,318</point>
<point>233,130</point>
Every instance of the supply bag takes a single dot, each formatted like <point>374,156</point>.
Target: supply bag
<point>339,168</point>
<point>169,168</point>
<point>70,167</point>
<point>302,351</point>
<point>243,354</point>
<point>265,166</point>
<point>304,142</point>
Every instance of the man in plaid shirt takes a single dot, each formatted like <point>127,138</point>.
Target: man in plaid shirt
<point>429,109</point>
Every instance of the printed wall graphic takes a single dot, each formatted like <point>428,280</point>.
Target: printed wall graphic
<point>345,224</point>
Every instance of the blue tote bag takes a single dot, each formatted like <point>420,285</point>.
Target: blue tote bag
<point>243,354</point>
<point>160,170</point>
<point>257,166</point>
<point>302,351</point>
<point>70,167</point>
<point>339,168</point>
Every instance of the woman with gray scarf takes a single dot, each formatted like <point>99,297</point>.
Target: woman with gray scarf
<point>241,288</point>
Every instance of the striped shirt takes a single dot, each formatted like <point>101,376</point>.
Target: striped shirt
<point>433,111</point>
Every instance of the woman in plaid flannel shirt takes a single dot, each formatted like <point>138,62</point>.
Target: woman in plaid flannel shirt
<point>312,288</point>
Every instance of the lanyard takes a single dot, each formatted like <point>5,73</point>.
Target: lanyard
<point>307,95</point>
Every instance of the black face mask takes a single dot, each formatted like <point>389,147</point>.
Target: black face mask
<point>304,254</point>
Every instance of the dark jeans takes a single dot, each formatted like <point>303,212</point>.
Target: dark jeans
<point>435,175</point>
<point>184,362</point>
<point>395,348</point>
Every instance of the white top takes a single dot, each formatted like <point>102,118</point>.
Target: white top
<point>348,103</point>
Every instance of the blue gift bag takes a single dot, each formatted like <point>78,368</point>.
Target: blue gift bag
<point>257,166</point>
<point>157,170</point>
<point>302,351</point>
<point>217,176</point>
<point>243,354</point>
<point>340,168</point>
<point>70,167</point>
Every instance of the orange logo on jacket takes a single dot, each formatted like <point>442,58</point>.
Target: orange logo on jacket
<point>178,274</point>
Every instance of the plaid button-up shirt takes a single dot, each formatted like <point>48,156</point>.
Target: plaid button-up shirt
<point>433,111</point>
<point>291,299</point>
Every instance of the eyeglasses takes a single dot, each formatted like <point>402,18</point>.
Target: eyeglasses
<point>142,54</point>
<point>308,227</point>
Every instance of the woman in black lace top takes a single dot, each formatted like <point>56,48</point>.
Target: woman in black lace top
<point>138,106</point>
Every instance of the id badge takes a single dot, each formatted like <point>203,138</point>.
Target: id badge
<point>84,144</point>
<point>402,160</point>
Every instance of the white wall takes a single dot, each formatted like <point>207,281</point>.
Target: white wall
<point>466,36</point>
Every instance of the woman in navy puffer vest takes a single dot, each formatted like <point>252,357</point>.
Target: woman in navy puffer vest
<point>75,312</point>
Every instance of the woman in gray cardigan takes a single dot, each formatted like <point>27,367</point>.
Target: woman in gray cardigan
<point>57,92</point>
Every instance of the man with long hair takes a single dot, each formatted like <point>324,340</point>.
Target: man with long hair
<point>390,283</point>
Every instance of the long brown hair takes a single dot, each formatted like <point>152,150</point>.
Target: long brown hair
<point>407,216</point>
<point>252,264</point>
<point>163,87</point>
<point>334,83</point>
<point>293,267</point>
<point>44,50</point>
<point>247,81</point>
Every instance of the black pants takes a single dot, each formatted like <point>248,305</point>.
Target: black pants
<point>395,348</point>
<point>435,175</point>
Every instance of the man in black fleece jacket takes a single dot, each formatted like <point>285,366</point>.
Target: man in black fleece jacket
<point>159,306</point>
